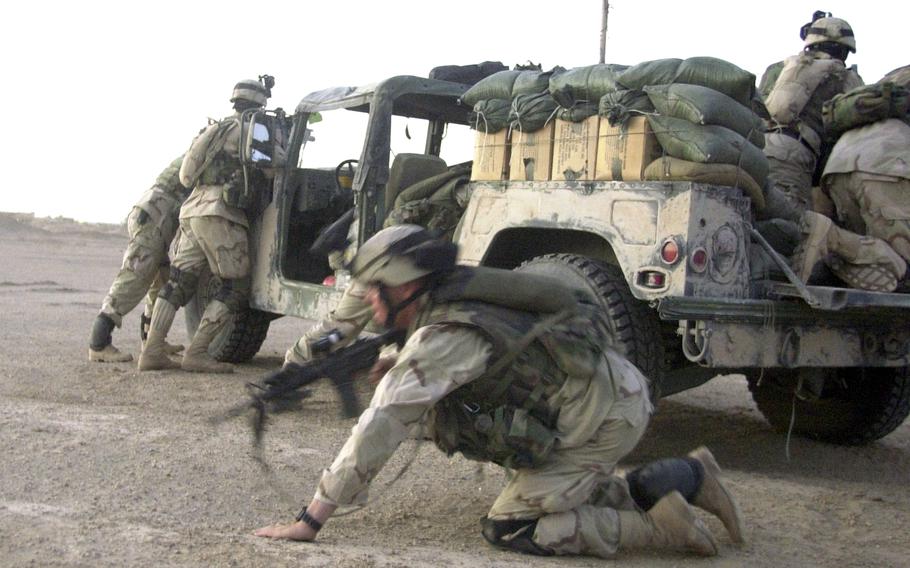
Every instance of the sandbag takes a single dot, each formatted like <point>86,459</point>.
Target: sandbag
<point>585,84</point>
<point>491,115</point>
<point>531,112</point>
<point>709,72</point>
<point>708,144</point>
<point>702,105</point>
<point>865,105</point>
<point>899,76</point>
<point>619,106</point>
<point>668,168</point>
<point>578,113</point>
<point>533,82</point>
<point>496,86</point>
<point>466,74</point>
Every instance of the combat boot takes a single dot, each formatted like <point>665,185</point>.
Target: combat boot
<point>145,321</point>
<point>153,356</point>
<point>670,523</point>
<point>196,358</point>
<point>814,246</point>
<point>864,262</point>
<point>714,497</point>
<point>100,349</point>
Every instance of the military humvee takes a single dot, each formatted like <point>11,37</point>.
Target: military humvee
<point>669,261</point>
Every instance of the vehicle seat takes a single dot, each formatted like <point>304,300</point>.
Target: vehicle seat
<point>408,169</point>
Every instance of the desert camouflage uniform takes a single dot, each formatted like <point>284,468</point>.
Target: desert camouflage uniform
<point>152,225</point>
<point>573,494</point>
<point>794,91</point>
<point>868,179</point>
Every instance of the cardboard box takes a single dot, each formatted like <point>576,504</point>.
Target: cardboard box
<point>623,152</point>
<point>491,156</point>
<point>575,149</point>
<point>531,154</point>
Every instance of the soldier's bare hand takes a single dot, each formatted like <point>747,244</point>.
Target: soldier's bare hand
<point>380,368</point>
<point>295,531</point>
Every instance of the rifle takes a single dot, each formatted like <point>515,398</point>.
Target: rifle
<point>285,384</point>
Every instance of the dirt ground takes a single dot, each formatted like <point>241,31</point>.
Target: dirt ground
<point>103,466</point>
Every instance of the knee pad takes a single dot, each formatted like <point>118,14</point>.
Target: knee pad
<point>180,287</point>
<point>233,293</point>
<point>513,535</point>
<point>649,483</point>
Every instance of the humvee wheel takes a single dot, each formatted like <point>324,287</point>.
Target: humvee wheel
<point>242,338</point>
<point>854,406</point>
<point>634,325</point>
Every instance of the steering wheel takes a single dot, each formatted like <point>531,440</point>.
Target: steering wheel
<point>345,169</point>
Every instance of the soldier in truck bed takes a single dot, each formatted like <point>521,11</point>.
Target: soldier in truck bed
<point>867,179</point>
<point>794,91</point>
<point>514,369</point>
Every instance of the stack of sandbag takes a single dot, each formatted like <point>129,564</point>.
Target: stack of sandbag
<point>578,92</point>
<point>704,122</point>
<point>514,107</point>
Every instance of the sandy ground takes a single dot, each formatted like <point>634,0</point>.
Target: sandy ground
<point>102,466</point>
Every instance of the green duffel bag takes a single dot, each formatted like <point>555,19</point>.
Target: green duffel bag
<point>709,144</point>
<point>585,84</point>
<point>668,168</point>
<point>709,72</point>
<point>619,106</point>
<point>490,115</point>
<point>702,105</point>
<point>865,105</point>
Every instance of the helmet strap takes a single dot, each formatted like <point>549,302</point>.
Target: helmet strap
<point>395,309</point>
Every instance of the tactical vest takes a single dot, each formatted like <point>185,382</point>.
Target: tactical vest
<point>214,160</point>
<point>804,84</point>
<point>503,416</point>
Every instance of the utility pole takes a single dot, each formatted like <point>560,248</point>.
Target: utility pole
<point>603,32</point>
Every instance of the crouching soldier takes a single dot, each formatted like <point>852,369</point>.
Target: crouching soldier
<point>513,368</point>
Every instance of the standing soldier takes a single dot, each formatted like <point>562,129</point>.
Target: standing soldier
<point>867,178</point>
<point>794,91</point>
<point>513,369</point>
<point>213,233</point>
<point>152,225</point>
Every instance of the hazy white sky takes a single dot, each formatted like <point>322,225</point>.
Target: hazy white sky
<point>101,95</point>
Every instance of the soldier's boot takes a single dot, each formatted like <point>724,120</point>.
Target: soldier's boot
<point>714,497</point>
<point>153,356</point>
<point>101,348</point>
<point>145,321</point>
<point>863,262</point>
<point>196,358</point>
<point>814,246</point>
<point>670,524</point>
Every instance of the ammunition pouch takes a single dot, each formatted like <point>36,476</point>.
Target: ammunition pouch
<point>506,435</point>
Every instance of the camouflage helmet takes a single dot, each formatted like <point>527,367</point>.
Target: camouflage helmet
<point>400,254</point>
<point>832,30</point>
<point>250,90</point>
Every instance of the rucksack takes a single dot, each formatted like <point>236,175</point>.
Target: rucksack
<point>865,105</point>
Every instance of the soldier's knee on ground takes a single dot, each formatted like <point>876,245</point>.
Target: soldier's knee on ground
<point>649,483</point>
<point>180,287</point>
<point>514,535</point>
